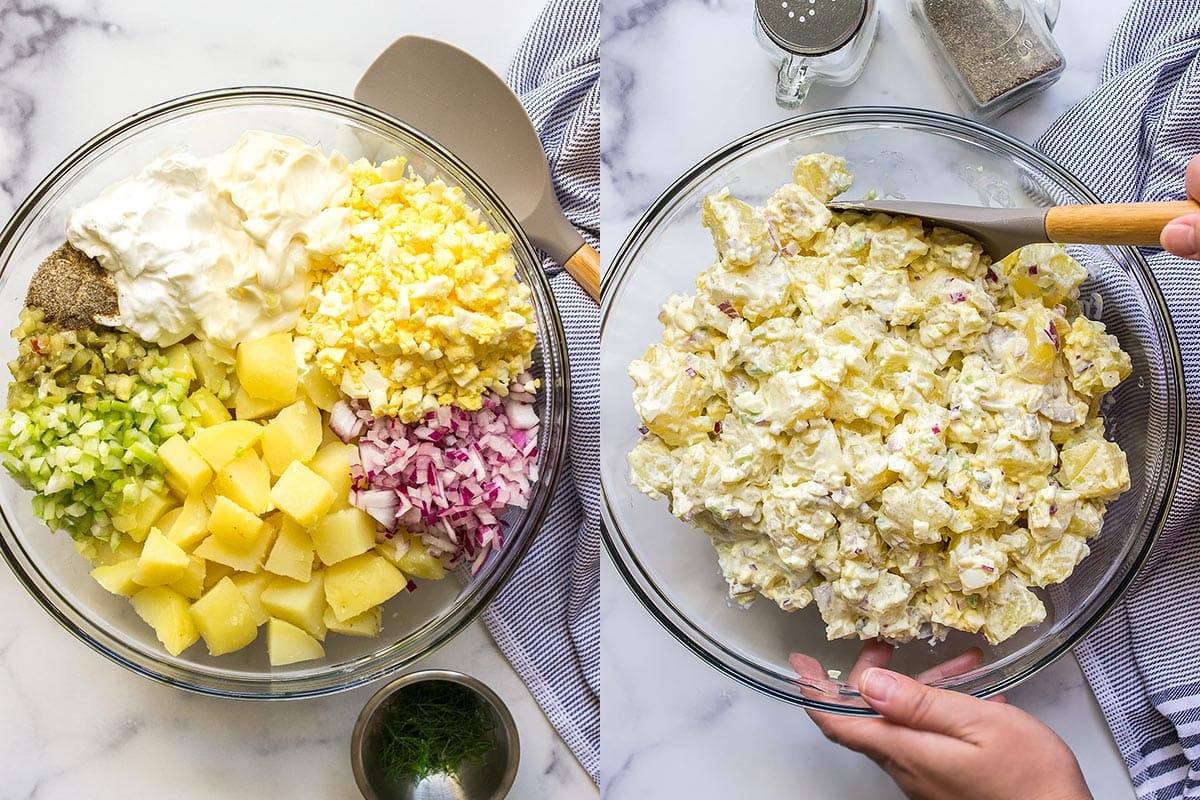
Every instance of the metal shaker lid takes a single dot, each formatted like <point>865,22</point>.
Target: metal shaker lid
<point>811,27</point>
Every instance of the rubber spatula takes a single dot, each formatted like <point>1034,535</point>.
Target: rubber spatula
<point>1003,230</point>
<point>457,100</point>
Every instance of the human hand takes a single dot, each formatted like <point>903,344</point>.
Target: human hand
<point>938,744</point>
<point>1182,235</point>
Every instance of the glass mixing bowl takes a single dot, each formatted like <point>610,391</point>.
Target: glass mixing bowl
<point>918,155</point>
<point>414,624</point>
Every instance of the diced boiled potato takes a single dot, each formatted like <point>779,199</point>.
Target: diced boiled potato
<point>243,559</point>
<point>209,496</point>
<point>293,435</point>
<point>118,578</point>
<point>251,586</point>
<point>179,361</point>
<point>302,494</point>
<point>161,561</point>
<point>292,555</point>
<point>287,644</point>
<point>212,411</point>
<point>356,584</point>
<point>367,623</point>
<point>224,618</point>
<point>416,560</point>
<point>332,462</point>
<point>212,374</point>
<point>166,611</point>
<point>1095,468</point>
<point>190,472</point>
<point>225,441</point>
<point>191,525</point>
<point>246,481</point>
<point>102,553</point>
<point>298,602</point>
<point>320,391</point>
<point>214,571</point>
<point>191,583</point>
<point>247,407</point>
<point>266,368</point>
<point>234,525</point>
<point>343,534</point>
<point>137,521</point>
<point>168,519</point>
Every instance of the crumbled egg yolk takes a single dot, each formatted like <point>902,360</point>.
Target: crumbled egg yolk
<point>875,418</point>
<point>422,308</point>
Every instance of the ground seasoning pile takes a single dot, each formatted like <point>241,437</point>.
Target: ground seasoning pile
<point>73,290</point>
<point>992,45</point>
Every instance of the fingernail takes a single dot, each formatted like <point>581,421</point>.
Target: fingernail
<point>1180,239</point>
<point>877,684</point>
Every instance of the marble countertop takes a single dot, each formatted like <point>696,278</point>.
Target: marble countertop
<point>681,79</point>
<point>74,724</point>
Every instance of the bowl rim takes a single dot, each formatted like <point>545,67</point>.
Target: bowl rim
<point>431,635</point>
<point>634,573</point>
<point>388,690</point>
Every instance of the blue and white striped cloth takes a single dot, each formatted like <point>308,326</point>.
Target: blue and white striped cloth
<point>547,620</point>
<point>1130,140</point>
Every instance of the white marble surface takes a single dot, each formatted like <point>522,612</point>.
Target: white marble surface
<point>681,79</point>
<point>74,725</point>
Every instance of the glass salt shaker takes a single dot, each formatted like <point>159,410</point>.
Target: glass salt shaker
<point>815,41</point>
<point>993,54</point>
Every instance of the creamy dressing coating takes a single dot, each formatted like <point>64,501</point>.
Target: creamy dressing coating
<point>220,247</point>
<point>875,417</point>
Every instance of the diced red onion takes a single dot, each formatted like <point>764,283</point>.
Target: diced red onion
<point>450,476</point>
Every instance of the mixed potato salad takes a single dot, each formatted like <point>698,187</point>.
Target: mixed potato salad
<point>269,387</point>
<point>872,416</point>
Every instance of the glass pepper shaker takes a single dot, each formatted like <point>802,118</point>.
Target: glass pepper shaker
<point>993,54</point>
<point>815,41</point>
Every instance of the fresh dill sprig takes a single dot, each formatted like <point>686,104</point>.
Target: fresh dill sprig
<point>434,727</point>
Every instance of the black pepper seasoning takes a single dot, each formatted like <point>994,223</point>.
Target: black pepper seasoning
<point>994,53</point>
<point>73,290</point>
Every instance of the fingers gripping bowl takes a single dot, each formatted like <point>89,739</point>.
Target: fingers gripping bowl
<point>413,624</point>
<point>917,155</point>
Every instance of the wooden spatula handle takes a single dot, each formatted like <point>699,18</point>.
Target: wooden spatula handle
<point>1118,223</point>
<point>584,267</point>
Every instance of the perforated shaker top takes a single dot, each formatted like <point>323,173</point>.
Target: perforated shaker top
<point>811,27</point>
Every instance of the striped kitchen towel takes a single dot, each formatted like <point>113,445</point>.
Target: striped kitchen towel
<point>547,620</point>
<point>1130,140</point>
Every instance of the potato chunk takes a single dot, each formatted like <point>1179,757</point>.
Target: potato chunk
<point>244,560</point>
<point>233,524</point>
<point>224,618</point>
<point>300,603</point>
<point>332,462</point>
<point>166,611</point>
<point>161,561</point>
<point>225,441</point>
<point>287,644</point>
<point>212,411</point>
<point>360,583</point>
<point>302,494</point>
<point>266,368</point>
<point>292,555</point>
<point>246,481</point>
<point>191,525</point>
<point>343,534</point>
<point>367,623</point>
<point>118,578</point>
<point>185,468</point>
<point>293,435</point>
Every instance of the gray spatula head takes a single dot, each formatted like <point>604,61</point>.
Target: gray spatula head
<point>460,102</point>
<point>999,230</point>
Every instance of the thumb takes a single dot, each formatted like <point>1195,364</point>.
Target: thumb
<point>1182,236</point>
<point>915,705</point>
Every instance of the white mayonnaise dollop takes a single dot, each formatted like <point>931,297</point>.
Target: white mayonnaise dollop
<point>218,247</point>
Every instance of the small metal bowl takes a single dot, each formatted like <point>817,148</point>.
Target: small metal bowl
<point>489,779</point>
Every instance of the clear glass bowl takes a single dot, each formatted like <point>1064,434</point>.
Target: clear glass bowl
<point>919,155</point>
<point>414,624</point>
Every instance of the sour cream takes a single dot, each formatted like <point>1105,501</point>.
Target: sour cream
<point>219,248</point>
